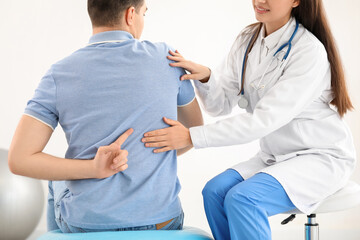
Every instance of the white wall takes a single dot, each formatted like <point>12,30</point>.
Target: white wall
<point>35,34</point>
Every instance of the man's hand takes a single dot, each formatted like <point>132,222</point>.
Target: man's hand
<point>111,159</point>
<point>26,156</point>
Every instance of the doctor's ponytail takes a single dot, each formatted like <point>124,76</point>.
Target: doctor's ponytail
<point>311,14</point>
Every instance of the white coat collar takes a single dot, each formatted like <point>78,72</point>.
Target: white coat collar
<point>282,35</point>
<point>272,40</point>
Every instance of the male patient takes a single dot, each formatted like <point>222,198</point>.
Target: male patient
<point>106,96</point>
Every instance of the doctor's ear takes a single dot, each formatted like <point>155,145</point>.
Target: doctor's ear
<point>130,16</point>
<point>296,3</point>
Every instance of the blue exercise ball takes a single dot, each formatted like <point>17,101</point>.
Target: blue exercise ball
<point>189,233</point>
<point>21,203</point>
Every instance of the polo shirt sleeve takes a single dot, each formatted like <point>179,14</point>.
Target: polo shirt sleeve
<point>186,93</point>
<point>43,104</point>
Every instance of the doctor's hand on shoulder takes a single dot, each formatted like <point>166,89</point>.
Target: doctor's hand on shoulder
<point>197,71</point>
<point>111,159</point>
<point>175,137</point>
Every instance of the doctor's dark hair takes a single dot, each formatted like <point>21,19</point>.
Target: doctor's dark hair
<point>311,14</point>
<point>109,12</point>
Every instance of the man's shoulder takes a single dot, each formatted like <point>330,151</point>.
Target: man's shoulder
<point>156,53</point>
<point>153,53</point>
<point>68,58</point>
<point>159,48</point>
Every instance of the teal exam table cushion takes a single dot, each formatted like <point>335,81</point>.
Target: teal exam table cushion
<point>186,234</point>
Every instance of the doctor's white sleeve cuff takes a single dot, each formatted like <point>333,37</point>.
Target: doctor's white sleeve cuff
<point>205,88</point>
<point>198,138</point>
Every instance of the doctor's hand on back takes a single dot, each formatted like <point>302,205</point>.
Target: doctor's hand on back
<point>177,136</point>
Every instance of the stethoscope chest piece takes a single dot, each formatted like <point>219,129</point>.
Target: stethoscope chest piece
<point>243,102</point>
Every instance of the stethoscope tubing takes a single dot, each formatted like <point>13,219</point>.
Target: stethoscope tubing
<point>288,43</point>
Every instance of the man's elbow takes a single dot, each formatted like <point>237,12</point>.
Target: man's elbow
<point>190,115</point>
<point>13,163</point>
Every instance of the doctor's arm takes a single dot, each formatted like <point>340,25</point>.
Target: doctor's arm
<point>26,156</point>
<point>218,90</point>
<point>306,76</point>
<point>303,82</point>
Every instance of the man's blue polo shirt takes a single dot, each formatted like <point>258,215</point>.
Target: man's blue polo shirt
<point>96,94</point>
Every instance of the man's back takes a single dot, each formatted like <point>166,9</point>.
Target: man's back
<point>96,94</point>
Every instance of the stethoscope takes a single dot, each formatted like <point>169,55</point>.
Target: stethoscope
<point>243,102</point>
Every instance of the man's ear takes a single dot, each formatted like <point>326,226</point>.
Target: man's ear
<point>130,16</point>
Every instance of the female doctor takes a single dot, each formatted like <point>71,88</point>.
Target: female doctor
<point>286,72</point>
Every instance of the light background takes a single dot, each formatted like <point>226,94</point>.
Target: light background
<point>34,34</point>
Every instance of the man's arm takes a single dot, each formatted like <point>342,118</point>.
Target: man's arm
<point>27,159</point>
<point>190,116</point>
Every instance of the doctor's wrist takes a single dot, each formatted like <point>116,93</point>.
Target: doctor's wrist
<point>208,74</point>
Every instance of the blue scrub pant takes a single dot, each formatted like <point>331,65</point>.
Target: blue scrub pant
<point>239,210</point>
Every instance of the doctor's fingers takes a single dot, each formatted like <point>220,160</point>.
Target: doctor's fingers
<point>159,132</point>
<point>156,144</point>
<point>154,139</point>
<point>164,149</point>
<point>191,77</point>
<point>176,53</point>
<point>176,58</point>
<point>183,64</point>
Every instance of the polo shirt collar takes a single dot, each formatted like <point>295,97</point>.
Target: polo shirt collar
<point>110,36</point>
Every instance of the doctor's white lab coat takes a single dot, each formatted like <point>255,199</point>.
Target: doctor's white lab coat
<point>304,143</point>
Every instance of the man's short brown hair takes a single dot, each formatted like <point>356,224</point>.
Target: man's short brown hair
<point>109,12</point>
